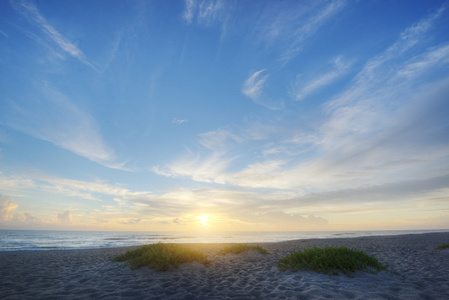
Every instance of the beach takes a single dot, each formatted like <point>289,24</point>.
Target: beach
<point>416,271</point>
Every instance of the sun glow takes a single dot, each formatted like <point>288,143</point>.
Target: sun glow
<point>203,219</point>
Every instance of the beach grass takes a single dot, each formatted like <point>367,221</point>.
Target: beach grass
<point>443,246</point>
<point>239,248</point>
<point>331,260</point>
<point>161,256</point>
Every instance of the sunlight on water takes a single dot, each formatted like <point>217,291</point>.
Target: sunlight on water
<point>46,240</point>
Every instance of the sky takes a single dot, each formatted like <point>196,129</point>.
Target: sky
<point>224,115</point>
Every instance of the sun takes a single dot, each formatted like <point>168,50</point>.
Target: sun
<point>203,219</point>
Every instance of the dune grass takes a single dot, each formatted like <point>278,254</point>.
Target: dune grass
<point>443,246</point>
<point>331,260</point>
<point>239,248</point>
<point>161,256</point>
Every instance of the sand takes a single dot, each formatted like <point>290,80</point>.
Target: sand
<point>416,271</point>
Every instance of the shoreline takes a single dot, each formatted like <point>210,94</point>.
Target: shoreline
<point>16,240</point>
<point>416,271</point>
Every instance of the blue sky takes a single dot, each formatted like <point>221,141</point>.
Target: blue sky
<point>224,115</point>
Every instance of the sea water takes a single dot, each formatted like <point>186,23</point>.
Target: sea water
<point>12,240</point>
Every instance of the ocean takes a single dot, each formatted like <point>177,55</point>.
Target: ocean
<point>14,240</point>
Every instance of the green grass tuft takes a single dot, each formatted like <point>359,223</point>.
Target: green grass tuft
<point>239,248</point>
<point>331,260</point>
<point>442,247</point>
<point>161,256</point>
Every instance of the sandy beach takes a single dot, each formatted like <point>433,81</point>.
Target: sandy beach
<point>416,271</point>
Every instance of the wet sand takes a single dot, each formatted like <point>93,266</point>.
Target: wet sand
<point>416,271</point>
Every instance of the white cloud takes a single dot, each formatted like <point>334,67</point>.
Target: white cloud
<point>219,140</point>
<point>303,90</point>
<point>179,121</point>
<point>203,169</point>
<point>390,121</point>
<point>411,191</point>
<point>253,88</point>
<point>412,35</point>
<point>9,217</point>
<point>295,30</point>
<point>383,66</point>
<point>293,221</point>
<point>189,11</point>
<point>7,208</point>
<point>357,145</point>
<point>90,190</point>
<point>434,58</point>
<point>12,183</point>
<point>254,84</point>
<point>215,200</point>
<point>51,116</point>
<point>265,207</point>
<point>85,188</point>
<point>314,23</point>
<point>266,174</point>
<point>272,206</point>
<point>209,11</point>
<point>112,51</point>
<point>29,219</point>
<point>30,11</point>
<point>65,217</point>
<point>130,221</point>
<point>381,128</point>
<point>205,11</point>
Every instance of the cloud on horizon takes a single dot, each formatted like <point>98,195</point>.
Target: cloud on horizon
<point>7,208</point>
<point>9,216</point>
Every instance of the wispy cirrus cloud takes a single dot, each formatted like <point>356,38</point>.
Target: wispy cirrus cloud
<point>309,27</point>
<point>352,149</point>
<point>254,84</point>
<point>288,27</point>
<point>42,185</point>
<point>12,183</point>
<point>205,12</point>
<point>204,166</point>
<point>179,121</point>
<point>219,140</point>
<point>431,59</point>
<point>189,10</point>
<point>208,168</point>
<point>209,11</point>
<point>32,14</point>
<point>113,51</point>
<point>382,66</point>
<point>302,90</point>
<point>253,89</point>
<point>91,190</point>
<point>389,121</point>
<point>51,116</point>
